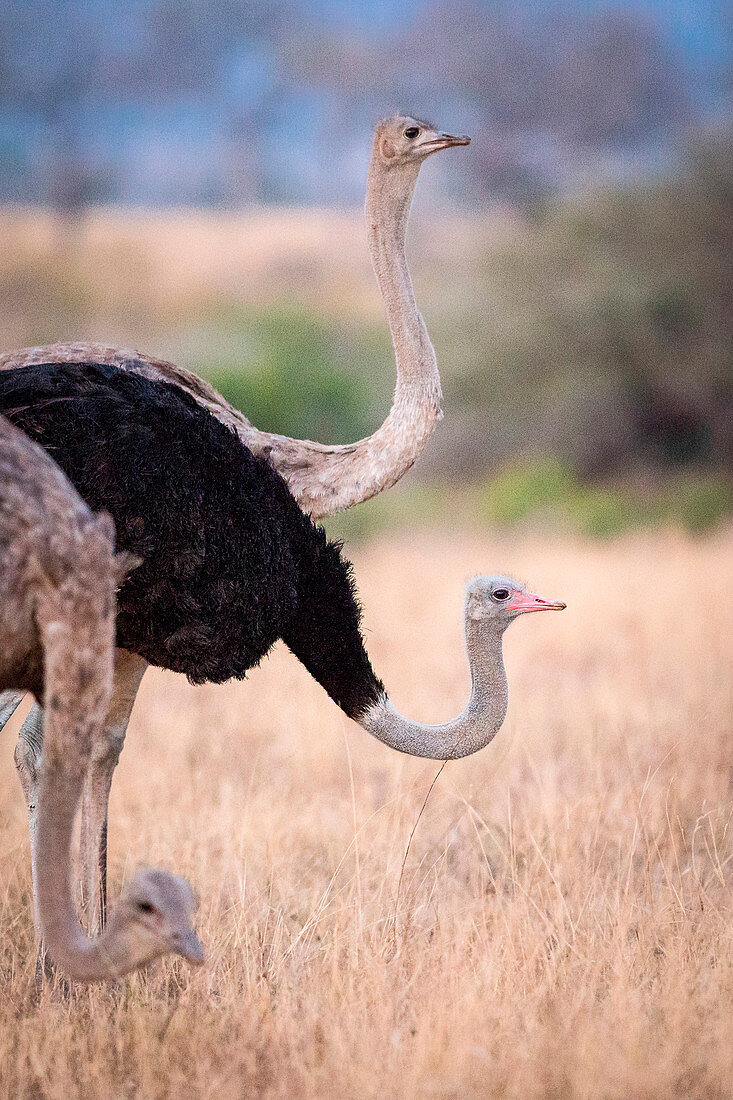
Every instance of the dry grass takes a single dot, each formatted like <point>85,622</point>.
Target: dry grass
<point>564,924</point>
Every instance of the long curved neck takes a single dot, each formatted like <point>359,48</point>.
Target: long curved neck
<point>80,958</point>
<point>387,209</point>
<point>325,636</point>
<point>474,727</point>
<point>324,479</point>
<point>78,676</point>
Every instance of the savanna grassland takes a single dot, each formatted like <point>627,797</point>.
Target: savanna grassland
<point>556,919</point>
<point>561,924</point>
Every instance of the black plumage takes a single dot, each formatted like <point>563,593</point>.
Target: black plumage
<point>229,562</point>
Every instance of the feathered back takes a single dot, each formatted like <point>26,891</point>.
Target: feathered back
<point>229,562</point>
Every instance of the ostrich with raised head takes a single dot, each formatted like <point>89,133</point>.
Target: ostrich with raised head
<point>326,479</point>
<point>58,576</point>
<point>229,561</point>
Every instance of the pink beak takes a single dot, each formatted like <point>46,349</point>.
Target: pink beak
<point>527,601</point>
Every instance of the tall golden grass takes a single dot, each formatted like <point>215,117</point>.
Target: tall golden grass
<point>563,925</point>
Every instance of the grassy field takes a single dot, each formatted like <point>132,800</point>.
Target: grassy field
<point>562,925</point>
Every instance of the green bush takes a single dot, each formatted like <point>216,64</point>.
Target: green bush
<point>603,513</point>
<point>549,491</point>
<point>701,504</point>
<point>290,380</point>
<point>523,490</point>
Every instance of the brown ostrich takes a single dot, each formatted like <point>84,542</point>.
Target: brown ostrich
<point>58,577</point>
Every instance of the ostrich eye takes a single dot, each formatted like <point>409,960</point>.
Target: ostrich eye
<point>145,907</point>
<point>412,132</point>
<point>500,594</point>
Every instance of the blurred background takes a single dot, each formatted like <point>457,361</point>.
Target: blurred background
<point>187,178</point>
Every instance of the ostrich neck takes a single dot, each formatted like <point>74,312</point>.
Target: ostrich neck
<point>325,636</point>
<point>82,959</point>
<point>73,717</point>
<point>474,727</point>
<point>416,407</point>
<point>387,209</point>
<point>326,479</point>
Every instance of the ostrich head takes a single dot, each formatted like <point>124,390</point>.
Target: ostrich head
<point>154,916</point>
<point>402,141</point>
<point>500,600</point>
<point>492,603</point>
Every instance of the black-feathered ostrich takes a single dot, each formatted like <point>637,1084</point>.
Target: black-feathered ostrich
<point>323,479</point>
<point>58,576</point>
<point>229,561</point>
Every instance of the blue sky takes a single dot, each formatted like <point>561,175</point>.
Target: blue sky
<point>235,101</point>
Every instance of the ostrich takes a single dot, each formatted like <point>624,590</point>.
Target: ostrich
<point>57,598</point>
<point>323,479</point>
<point>326,479</point>
<point>229,561</point>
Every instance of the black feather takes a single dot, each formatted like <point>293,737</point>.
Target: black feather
<point>230,563</point>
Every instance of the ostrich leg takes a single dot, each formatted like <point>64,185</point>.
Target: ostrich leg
<point>9,703</point>
<point>28,751</point>
<point>129,670</point>
<point>28,765</point>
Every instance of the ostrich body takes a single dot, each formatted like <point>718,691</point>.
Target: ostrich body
<point>229,561</point>
<point>326,479</point>
<point>57,599</point>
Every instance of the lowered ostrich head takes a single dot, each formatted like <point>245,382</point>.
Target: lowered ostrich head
<point>153,917</point>
<point>155,913</point>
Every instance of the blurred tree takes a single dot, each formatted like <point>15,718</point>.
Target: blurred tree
<point>550,92</point>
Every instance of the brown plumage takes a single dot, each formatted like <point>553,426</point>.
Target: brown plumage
<point>58,576</point>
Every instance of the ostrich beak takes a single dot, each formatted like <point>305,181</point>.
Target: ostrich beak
<point>444,141</point>
<point>190,947</point>
<point>527,601</point>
